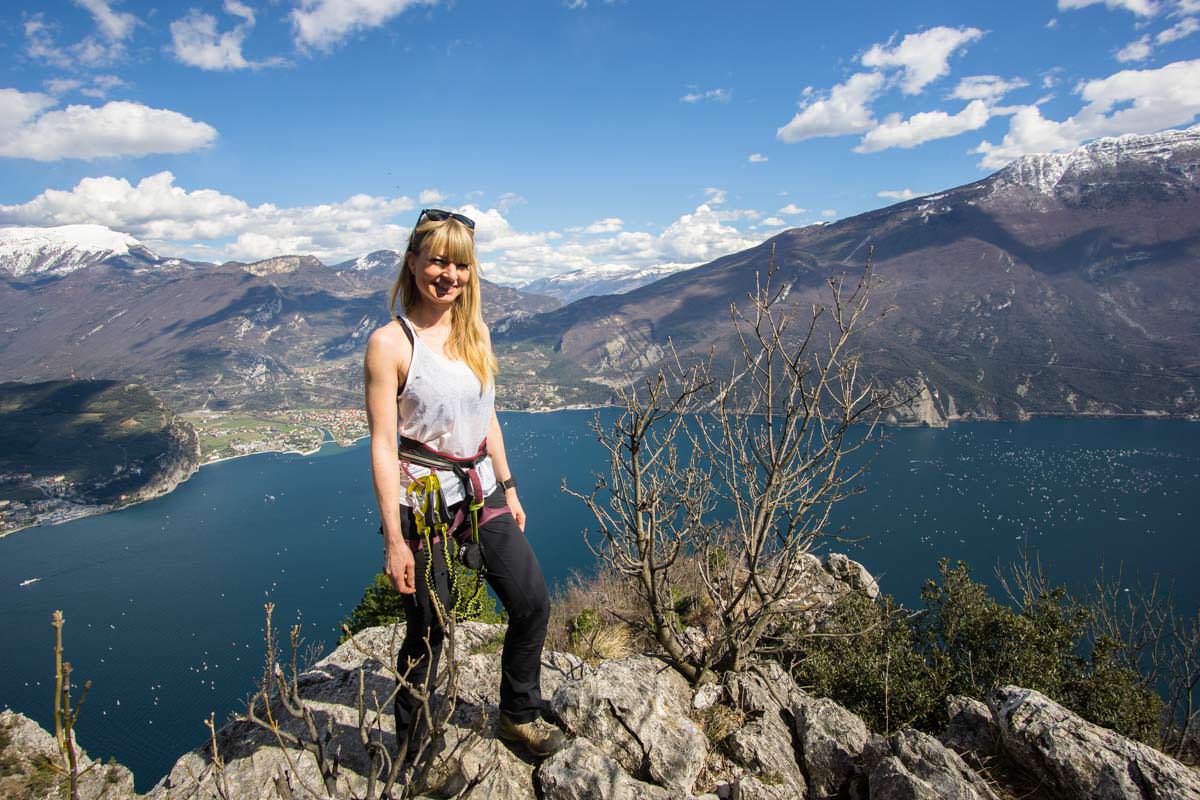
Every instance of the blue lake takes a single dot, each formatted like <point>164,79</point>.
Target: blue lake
<point>164,600</point>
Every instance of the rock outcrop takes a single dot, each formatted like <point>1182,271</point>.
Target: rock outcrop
<point>1077,760</point>
<point>638,732</point>
<point>29,765</point>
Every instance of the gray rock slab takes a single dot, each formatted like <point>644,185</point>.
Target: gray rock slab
<point>911,764</point>
<point>582,771</point>
<point>1081,760</point>
<point>831,742</point>
<point>28,754</point>
<point>636,711</point>
<point>764,745</point>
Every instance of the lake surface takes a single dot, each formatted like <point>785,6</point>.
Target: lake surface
<point>164,600</point>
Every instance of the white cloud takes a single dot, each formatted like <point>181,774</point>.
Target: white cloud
<point>79,131</point>
<point>431,196</point>
<point>757,158</point>
<point>988,88</point>
<point>792,209</point>
<point>170,219</point>
<point>843,111</point>
<point>60,85</point>
<point>897,194</point>
<point>923,56</point>
<point>926,126</point>
<point>107,45</point>
<point>115,26</point>
<point>772,222</point>
<point>1137,50</point>
<point>1184,28</point>
<point>1130,101</point>
<point>1143,8</point>
<point>714,196</point>
<point>716,95</point>
<point>102,85</point>
<point>325,23</point>
<point>510,199</point>
<point>196,41</point>
<point>606,225</point>
<point>575,4</point>
<point>210,225</point>
<point>828,213</point>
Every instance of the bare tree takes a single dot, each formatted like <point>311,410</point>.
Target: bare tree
<point>770,439</point>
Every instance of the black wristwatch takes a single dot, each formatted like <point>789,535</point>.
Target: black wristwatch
<point>508,483</point>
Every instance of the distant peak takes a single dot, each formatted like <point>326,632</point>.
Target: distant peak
<point>1042,172</point>
<point>61,249</point>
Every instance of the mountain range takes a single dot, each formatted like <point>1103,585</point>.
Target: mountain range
<point>1060,284</point>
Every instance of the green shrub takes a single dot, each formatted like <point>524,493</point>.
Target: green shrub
<point>895,669</point>
<point>381,604</point>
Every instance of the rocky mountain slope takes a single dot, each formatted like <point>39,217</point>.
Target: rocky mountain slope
<point>284,332</point>
<point>73,447</point>
<point>611,279</point>
<point>1060,284</point>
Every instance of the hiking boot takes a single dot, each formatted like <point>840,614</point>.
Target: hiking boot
<point>537,736</point>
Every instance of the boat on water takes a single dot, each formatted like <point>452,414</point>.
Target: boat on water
<point>28,581</point>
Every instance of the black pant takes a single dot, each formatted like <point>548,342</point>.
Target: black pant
<point>512,570</point>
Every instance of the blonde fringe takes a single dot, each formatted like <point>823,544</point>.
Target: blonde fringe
<point>468,339</point>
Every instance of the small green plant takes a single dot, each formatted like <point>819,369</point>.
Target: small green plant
<point>582,626</point>
<point>381,604</point>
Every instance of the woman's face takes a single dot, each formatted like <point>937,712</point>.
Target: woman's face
<point>439,280</point>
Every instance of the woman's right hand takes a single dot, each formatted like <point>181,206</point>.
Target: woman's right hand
<point>401,568</point>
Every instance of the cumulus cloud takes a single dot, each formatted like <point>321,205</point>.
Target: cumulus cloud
<point>791,209</point>
<point>1142,48</point>
<point>715,95</point>
<point>897,194</point>
<point>1143,8</point>
<point>926,126</point>
<point>196,41</point>
<point>772,222</point>
<point>844,110</point>
<point>1130,101</point>
<point>606,225</point>
<point>171,219</point>
<point>828,213</point>
<point>1184,28</point>
<point>113,25</point>
<point>988,88</point>
<point>431,196</point>
<point>757,158</point>
<point>324,23</point>
<point>923,56</point>
<point>714,196</point>
<point>117,128</point>
<point>210,225</point>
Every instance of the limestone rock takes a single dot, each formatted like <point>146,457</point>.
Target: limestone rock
<point>636,710</point>
<point>916,766</point>
<point>831,740</point>
<point>971,731</point>
<point>28,754</point>
<point>752,788</point>
<point>1077,759</point>
<point>582,771</point>
<point>764,744</point>
<point>851,573</point>
<point>255,762</point>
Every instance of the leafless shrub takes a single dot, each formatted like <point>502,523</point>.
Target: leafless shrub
<point>772,441</point>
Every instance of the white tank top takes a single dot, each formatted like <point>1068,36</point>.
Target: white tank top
<point>442,407</point>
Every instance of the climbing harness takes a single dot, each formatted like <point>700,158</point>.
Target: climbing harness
<point>435,525</point>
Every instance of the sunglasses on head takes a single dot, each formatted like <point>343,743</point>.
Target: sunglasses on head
<point>437,215</point>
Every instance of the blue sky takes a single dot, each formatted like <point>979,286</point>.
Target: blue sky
<point>580,134</point>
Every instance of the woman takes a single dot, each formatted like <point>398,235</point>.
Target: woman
<point>430,379</point>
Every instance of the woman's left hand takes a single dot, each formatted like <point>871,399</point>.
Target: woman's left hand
<point>514,505</point>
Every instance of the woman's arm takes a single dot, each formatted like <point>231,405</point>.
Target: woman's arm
<point>495,447</point>
<point>384,367</point>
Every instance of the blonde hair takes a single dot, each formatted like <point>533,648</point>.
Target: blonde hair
<point>468,339</point>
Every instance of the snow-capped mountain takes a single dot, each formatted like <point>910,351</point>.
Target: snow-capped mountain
<point>35,252</point>
<point>605,279</point>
